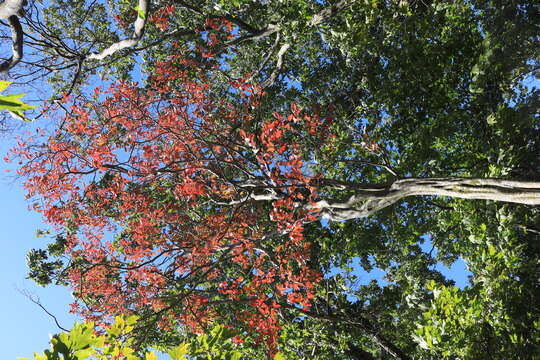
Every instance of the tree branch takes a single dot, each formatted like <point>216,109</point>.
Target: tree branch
<point>370,198</point>
<point>17,44</point>
<point>361,323</point>
<point>279,64</point>
<point>142,15</point>
<point>329,11</point>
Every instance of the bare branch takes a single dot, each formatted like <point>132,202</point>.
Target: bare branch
<point>37,301</point>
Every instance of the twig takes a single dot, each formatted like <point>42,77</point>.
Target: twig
<point>36,301</point>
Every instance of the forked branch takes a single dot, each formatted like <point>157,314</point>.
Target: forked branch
<point>142,14</point>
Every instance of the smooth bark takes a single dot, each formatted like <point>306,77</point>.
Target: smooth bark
<point>10,10</point>
<point>143,8</point>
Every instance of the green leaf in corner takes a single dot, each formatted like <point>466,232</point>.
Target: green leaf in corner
<point>4,85</point>
<point>279,356</point>
<point>236,355</point>
<point>140,12</point>
<point>12,103</point>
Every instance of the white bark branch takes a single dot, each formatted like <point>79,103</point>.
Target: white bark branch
<point>367,199</point>
<point>329,11</point>
<point>10,10</point>
<point>142,15</point>
<point>17,44</point>
<point>279,65</point>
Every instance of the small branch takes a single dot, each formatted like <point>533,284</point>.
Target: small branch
<point>238,22</point>
<point>361,323</point>
<point>529,229</point>
<point>268,56</point>
<point>36,301</point>
<point>268,30</point>
<point>76,77</point>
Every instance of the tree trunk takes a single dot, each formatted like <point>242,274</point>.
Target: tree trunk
<point>370,198</point>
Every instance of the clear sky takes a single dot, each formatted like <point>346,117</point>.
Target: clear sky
<point>24,328</point>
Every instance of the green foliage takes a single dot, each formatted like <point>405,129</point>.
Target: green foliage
<point>41,266</point>
<point>85,341</point>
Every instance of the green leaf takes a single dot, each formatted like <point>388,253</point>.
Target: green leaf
<point>4,85</point>
<point>141,13</point>
<point>84,353</point>
<point>236,355</point>
<point>179,352</point>
<point>12,103</point>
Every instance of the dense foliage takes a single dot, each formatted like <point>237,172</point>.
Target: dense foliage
<point>269,146</point>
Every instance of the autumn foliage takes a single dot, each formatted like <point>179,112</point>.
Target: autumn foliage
<point>176,203</point>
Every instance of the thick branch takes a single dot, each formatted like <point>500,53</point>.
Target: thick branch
<point>329,11</point>
<point>142,15</point>
<point>10,10</point>
<point>279,65</point>
<point>17,44</point>
<point>367,199</point>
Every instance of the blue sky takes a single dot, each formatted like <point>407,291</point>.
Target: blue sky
<point>25,327</point>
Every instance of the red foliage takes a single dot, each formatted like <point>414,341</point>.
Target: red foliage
<point>174,199</point>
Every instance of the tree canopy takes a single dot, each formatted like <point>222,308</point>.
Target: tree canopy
<point>238,157</point>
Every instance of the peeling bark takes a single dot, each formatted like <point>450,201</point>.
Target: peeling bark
<point>329,12</point>
<point>17,44</point>
<point>279,64</point>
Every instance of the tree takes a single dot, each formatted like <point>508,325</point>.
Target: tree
<point>196,197</point>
